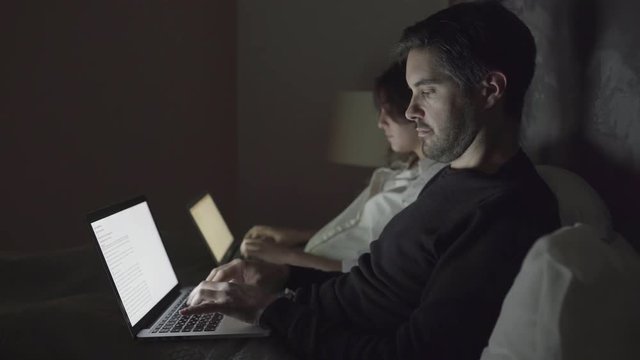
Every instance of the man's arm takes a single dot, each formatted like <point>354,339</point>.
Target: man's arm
<point>452,330</point>
<point>457,307</point>
<point>301,277</point>
<point>448,315</point>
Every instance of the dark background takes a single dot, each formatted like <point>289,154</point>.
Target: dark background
<point>105,100</point>
<point>101,101</point>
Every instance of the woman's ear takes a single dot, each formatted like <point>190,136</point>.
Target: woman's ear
<point>493,88</point>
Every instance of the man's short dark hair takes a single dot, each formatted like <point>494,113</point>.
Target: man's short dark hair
<point>473,39</point>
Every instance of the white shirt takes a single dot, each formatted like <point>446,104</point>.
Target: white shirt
<point>348,235</point>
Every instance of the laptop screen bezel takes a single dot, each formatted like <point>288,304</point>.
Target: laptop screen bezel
<point>155,312</point>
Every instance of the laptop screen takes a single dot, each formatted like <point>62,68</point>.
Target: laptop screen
<point>137,261</point>
<point>212,226</point>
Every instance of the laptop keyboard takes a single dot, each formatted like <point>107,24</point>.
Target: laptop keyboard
<point>173,322</point>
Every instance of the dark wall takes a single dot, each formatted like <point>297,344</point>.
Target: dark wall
<point>583,106</point>
<point>104,100</point>
<point>293,58</point>
<point>583,110</point>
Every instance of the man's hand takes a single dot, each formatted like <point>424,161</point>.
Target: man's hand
<point>241,301</point>
<point>267,250</point>
<point>270,277</point>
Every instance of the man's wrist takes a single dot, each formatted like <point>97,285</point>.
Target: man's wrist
<point>285,294</point>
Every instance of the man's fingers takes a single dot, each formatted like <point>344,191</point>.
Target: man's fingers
<point>208,291</point>
<point>215,273</point>
<point>221,276</point>
<point>212,274</point>
<point>204,308</point>
<point>192,294</point>
<point>195,295</point>
<point>226,272</point>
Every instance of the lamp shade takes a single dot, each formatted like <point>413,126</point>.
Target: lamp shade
<point>354,138</point>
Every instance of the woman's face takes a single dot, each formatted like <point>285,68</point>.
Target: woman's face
<point>402,135</point>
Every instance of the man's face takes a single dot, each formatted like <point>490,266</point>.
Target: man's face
<point>444,116</point>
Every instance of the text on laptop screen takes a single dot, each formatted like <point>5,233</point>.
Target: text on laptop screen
<point>137,260</point>
<point>212,226</point>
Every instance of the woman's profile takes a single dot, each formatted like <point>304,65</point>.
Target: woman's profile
<point>337,245</point>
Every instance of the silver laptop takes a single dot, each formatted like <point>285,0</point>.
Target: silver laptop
<point>213,228</point>
<point>143,279</point>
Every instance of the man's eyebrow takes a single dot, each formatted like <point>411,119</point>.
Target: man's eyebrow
<point>431,81</point>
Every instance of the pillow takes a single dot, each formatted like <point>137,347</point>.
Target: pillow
<point>577,201</point>
<point>576,297</point>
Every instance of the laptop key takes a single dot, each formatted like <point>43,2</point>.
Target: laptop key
<point>211,327</point>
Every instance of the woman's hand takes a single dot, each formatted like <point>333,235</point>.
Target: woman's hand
<point>268,276</point>
<point>266,249</point>
<point>281,236</point>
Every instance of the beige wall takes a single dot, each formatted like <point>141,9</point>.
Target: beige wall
<point>293,56</point>
<point>110,99</point>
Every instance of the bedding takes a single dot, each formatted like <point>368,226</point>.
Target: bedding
<point>60,306</point>
<point>575,298</point>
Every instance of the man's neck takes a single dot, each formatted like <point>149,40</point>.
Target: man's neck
<point>491,149</point>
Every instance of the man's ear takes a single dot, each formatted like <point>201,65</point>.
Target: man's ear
<point>493,88</point>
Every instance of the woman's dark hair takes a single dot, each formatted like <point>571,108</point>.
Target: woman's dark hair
<point>390,91</point>
<point>473,39</point>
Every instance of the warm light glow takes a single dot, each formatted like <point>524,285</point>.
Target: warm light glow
<point>354,138</point>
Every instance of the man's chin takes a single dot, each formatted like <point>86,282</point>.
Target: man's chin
<point>438,155</point>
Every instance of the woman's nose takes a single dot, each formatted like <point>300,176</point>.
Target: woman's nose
<point>382,119</point>
<point>379,123</point>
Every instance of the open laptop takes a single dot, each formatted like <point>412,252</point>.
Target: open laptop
<point>143,279</point>
<point>212,227</point>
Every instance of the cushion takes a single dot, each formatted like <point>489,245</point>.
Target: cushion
<point>576,297</point>
<point>577,201</point>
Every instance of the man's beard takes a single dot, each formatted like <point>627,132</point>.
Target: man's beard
<point>455,139</point>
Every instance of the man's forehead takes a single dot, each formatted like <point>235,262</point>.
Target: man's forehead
<point>423,66</point>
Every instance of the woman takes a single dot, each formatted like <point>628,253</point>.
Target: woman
<point>338,244</point>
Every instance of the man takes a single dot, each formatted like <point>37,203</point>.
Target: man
<point>433,283</point>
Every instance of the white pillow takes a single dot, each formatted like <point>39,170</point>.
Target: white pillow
<point>575,298</point>
<point>578,202</point>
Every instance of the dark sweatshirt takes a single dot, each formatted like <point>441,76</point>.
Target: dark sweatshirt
<point>433,284</point>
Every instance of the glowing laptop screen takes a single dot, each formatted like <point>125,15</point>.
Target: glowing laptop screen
<point>137,260</point>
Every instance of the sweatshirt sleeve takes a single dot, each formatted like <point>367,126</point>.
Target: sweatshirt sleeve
<point>301,276</point>
<point>434,331</point>
<point>312,337</point>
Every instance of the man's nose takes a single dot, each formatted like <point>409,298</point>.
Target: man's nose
<point>413,112</point>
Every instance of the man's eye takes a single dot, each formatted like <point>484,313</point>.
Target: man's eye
<point>427,92</point>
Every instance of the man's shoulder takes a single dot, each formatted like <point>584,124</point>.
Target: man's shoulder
<point>517,181</point>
